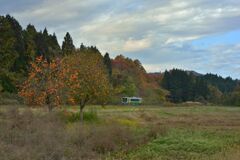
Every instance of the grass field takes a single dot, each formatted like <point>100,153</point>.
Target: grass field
<point>122,132</point>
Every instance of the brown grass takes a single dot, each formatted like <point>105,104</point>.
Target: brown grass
<point>219,120</point>
<point>33,135</point>
<point>47,137</point>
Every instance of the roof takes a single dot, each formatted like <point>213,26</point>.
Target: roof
<point>133,97</point>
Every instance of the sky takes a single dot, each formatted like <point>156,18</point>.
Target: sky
<point>199,35</point>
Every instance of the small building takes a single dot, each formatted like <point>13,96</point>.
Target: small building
<point>131,100</point>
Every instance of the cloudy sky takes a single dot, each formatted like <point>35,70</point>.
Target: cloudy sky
<point>200,35</point>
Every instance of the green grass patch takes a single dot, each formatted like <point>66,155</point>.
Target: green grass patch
<point>126,132</point>
<point>128,122</point>
<point>88,116</point>
<point>186,144</point>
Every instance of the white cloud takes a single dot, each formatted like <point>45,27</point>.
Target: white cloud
<point>136,45</point>
<point>157,31</point>
<point>103,21</point>
<point>181,39</point>
<point>220,59</point>
<point>55,12</point>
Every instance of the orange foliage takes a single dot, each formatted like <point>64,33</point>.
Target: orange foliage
<point>86,78</point>
<point>128,73</point>
<point>43,84</point>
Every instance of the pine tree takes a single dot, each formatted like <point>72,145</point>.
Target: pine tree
<point>29,39</point>
<point>82,47</point>
<point>53,46</point>
<point>67,45</point>
<point>19,46</point>
<point>11,53</point>
<point>108,64</point>
<point>42,47</point>
<point>8,53</point>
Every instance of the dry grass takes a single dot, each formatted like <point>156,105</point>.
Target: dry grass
<point>214,121</point>
<point>120,132</point>
<point>31,136</point>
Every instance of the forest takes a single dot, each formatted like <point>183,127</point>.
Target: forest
<point>63,102</point>
<point>33,64</point>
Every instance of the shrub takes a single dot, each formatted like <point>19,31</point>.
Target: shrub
<point>7,84</point>
<point>9,98</point>
<point>46,136</point>
<point>71,117</point>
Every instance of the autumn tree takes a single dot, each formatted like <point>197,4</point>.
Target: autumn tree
<point>215,95</point>
<point>86,79</point>
<point>43,84</point>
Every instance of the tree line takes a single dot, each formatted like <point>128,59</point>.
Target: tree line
<point>191,86</point>
<point>34,65</point>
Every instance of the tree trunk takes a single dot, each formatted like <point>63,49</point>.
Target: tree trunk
<point>81,114</point>
<point>50,108</point>
<point>49,105</point>
<point>82,105</point>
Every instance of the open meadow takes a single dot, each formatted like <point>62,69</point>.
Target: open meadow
<point>120,132</point>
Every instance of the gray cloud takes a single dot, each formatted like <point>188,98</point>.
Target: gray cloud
<point>158,32</point>
<point>221,59</point>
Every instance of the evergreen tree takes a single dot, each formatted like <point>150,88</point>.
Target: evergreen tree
<point>82,47</point>
<point>29,39</point>
<point>45,33</point>
<point>17,32</point>
<point>19,46</point>
<point>53,46</point>
<point>184,86</point>
<point>67,45</point>
<point>108,64</point>
<point>42,47</point>
<point>12,50</point>
<point>8,52</point>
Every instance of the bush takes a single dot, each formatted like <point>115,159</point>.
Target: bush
<point>34,137</point>
<point>7,84</point>
<point>71,117</point>
<point>9,99</point>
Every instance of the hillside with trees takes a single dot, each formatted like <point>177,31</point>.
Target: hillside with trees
<point>189,86</point>
<point>33,64</point>
<point>129,78</point>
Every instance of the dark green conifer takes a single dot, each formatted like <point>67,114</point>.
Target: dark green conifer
<point>67,45</point>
